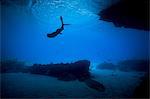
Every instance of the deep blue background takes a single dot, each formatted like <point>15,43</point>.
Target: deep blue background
<point>24,29</point>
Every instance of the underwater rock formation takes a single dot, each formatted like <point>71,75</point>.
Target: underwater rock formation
<point>8,66</point>
<point>67,72</point>
<point>128,13</point>
<point>94,85</point>
<point>134,65</point>
<point>142,91</point>
<point>126,65</point>
<point>106,65</point>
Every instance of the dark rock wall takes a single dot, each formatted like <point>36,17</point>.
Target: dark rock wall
<point>128,13</point>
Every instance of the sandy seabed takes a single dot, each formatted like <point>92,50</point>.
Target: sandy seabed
<point>24,85</point>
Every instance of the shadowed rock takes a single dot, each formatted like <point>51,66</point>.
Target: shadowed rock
<point>66,72</point>
<point>8,66</point>
<point>128,13</point>
<point>142,91</point>
<point>69,72</point>
<point>134,65</point>
<point>95,85</point>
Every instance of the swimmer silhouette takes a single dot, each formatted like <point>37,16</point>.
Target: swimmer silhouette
<point>59,30</point>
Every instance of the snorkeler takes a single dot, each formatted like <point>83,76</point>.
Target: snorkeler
<point>59,30</point>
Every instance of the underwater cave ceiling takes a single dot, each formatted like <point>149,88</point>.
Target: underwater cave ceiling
<point>128,13</point>
<point>123,13</point>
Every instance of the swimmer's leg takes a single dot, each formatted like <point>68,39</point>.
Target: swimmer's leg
<point>62,23</point>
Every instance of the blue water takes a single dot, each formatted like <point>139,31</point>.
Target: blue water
<point>24,30</point>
